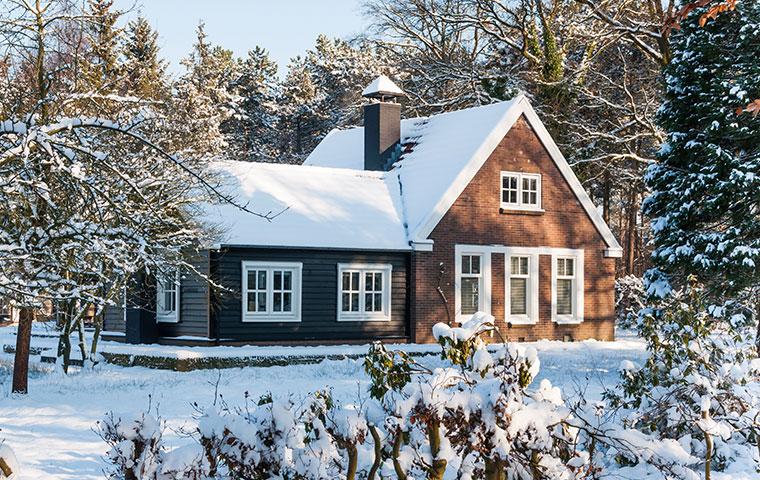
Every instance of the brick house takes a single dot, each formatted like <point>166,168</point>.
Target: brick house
<point>390,228</point>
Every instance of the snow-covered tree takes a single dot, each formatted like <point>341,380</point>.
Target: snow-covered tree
<point>102,66</point>
<point>706,186</point>
<point>202,99</point>
<point>252,132</point>
<point>145,71</point>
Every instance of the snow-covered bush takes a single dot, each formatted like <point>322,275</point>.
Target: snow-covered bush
<point>137,450</point>
<point>9,468</point>
<point>630,297</point>
<point>474,417</point>
<point>700,385</point>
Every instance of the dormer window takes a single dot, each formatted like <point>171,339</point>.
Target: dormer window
<point>520,191</point>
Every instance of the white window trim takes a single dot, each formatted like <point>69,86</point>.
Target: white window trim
<point>166,316</point>
<point>295,315</point>
<point>361,315</point>
<point>520,205</point>
<point>531,317</point>
<point>578,286</point>
<point>484,300</point>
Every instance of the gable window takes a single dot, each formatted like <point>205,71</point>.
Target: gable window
<point>271,292</point>
<point>167,296</point>
<point>520,191</point>
<point>567,288</point>
<point>365,292</point>
<point>472,282</point>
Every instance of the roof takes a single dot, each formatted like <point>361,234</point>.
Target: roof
<point>447,151</point>
<point>332,202</point>
<point>320,207</point>
<point>382,86</point>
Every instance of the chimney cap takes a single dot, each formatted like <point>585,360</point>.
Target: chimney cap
<point>382,87</point>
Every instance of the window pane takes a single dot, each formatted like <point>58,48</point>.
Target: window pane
<point>277,302</point>
<point>287,280</point>
<point>252,280</point>
<point>167,301</point>
<point>355,281</point>
<point>475,262</point>
<point>513,196</point>
<point>278,279</point>
<point>251,303</point>
<point>346,281</point>
<point>561,266</point>
<point>564,297</point>
<point>355,302</point>
<point>378,282</point>
<point>262,279</point>
<point>286,302</point>
<point>526,197</point>
<point>533,198</point>
<point>513,183</point>
<point>569,264</point>
<point>465,264</point>
<point>378,302</point>
<point>261,302</point>
<point>346,303</point>
<point>470,295</point>
<point>518,301</point>
<point>505,182</point>
<point>368,305</point>
<point>368,281</point>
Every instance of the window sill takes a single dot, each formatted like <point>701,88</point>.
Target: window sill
<point>520,321</point>
<point>568,321</point>
<point>521,211</point>
<point>364,318</point>
<point>167,319</point>
<point>269,319</point>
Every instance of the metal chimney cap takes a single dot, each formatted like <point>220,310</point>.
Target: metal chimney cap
<point>382,87</point>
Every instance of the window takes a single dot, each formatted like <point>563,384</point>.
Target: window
<point>472,280</point>
<point>521,286</point>
<point>567,288</point>
<point>364,293</point>
<point>167,296</point>
<point>271,292</point>
<point>520,191</point>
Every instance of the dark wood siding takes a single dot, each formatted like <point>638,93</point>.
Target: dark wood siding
<point>318,297</point>
<point>193,301</point>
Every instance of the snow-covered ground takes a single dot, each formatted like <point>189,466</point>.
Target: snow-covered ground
<point>51,429</point>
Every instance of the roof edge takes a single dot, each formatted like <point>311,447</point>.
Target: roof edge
<point>521,106</point>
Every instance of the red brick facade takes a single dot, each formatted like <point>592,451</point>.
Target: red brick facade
<point>475,219</point>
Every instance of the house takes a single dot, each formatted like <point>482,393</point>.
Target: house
<point>392,227</point>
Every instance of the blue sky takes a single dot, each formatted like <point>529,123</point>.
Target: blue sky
<point>286,28</point>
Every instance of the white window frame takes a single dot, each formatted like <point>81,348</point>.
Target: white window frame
<point>362,315</point>
<point>167,316</point>
<point>520,205</point>
<point>271,316</point>
<point>578,286</point>
<point>531,317</point>
<point>484,297</point>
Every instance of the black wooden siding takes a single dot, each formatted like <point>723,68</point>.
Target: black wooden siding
<point>193,301</point>
<point>319,297</point>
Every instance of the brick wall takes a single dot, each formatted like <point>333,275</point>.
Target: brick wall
<point>475,219</point>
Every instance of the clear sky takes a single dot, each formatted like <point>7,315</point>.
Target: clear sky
<point>285,28</point>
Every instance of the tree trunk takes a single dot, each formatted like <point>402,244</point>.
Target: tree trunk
<point>630,238</point>
<point>606,201</point>
<point>378,453</point>
<point>352,462</point>
<point>439,464</point>
<point>21,358</point>
<point>495,470</point>
<point>396,450</point>
<point>80,331</point>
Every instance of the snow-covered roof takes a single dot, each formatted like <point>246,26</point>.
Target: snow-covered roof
<point>332,202</point>
<point>447,150</point>
<point>382,86</point>
<point>321,207</point>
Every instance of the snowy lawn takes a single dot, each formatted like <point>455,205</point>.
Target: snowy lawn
<point>51,429</point>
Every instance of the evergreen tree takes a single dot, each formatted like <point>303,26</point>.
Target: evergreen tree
<point>102,69</point>
<point>252,131</point>
<point>202,99</point>
<point>145,72</point>
<point>299,120</point>
<point>705,196</point>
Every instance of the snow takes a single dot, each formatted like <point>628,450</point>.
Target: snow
<point>315,207</point>
<point>442,148</point>
<point>58,415</point>
<point>382,85</point>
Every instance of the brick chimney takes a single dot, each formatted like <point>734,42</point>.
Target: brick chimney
<point>382,123</point>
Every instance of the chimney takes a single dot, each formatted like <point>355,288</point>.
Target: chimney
<point>382,123</point>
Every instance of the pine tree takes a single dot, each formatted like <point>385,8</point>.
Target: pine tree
<point>102,70</point>
<point>252,131</point>
<point>299,120</point>
<point>202,99</point>
<point>706,186</point>
<point>145,72</point>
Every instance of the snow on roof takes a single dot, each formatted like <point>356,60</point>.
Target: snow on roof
<point>321,207</point>
<point>443,146</point>
<point>382,85</point>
